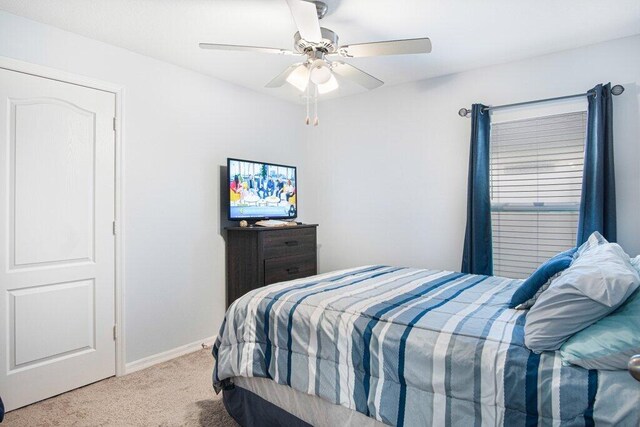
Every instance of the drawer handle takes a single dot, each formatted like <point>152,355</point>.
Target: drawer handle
<point>293,270</point>
<point>291,243</point>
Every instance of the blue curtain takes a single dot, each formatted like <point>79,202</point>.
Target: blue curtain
<point>478,253</point>
<point>598,201</point>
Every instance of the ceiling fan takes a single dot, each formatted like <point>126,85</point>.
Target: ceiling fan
<point>320,46</point>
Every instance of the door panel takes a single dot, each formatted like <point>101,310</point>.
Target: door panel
<point>57,151</point>
<point>52,218</point>
<point>59,332</point>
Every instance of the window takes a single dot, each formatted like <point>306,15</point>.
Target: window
<point>536,181</point>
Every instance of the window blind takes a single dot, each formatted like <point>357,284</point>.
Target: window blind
<point>536,179</point>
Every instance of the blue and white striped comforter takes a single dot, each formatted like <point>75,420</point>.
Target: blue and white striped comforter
<point>414,347</point>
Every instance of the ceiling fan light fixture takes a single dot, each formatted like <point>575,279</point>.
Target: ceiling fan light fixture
<point>320,72</point>
<point>329,86</point>
<point>299,78</point>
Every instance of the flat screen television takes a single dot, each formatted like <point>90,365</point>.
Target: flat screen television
<point>259,190</point>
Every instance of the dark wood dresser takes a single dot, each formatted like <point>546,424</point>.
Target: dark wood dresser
<point>259,256</point>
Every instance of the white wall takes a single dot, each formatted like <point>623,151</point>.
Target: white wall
<point>180,127</point>
<point>390,165</point>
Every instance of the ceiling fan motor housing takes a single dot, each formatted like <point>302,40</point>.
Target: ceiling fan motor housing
<point>321,8</point>
<point>328,44</point>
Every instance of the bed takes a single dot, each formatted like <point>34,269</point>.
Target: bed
<point>386,345</point>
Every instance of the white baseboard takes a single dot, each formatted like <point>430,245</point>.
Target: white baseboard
<point>154,359</point>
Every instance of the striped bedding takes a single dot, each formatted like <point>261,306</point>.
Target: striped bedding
<point>413,347</point>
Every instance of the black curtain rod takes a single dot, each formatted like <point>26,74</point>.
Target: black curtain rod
<point>615,90</point>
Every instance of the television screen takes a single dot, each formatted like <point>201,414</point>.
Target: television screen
<point>261,190</point>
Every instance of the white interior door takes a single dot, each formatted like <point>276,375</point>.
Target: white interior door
<point>57,161</point>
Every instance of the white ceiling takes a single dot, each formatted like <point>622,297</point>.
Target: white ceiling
<point>466,34</point>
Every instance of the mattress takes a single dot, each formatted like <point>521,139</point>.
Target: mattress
<point>415,347</point>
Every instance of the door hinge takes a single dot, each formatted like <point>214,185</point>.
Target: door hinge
<point>115,332</point>
<point>114,228</point>
<point>114,123</point>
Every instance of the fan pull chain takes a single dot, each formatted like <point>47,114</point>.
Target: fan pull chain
<point>308,119</point>
<point>315,106</point>
<point>307,96</point>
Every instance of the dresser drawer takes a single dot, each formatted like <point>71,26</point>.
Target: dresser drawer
<point>290,242</point>
<point>288,268</point>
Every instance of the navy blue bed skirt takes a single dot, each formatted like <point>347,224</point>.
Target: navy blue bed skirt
<point>251,410</point>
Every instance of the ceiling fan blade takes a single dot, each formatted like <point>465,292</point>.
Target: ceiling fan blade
<point>393,47</point>
<point>305,16</point>
<point>356,75</point>
<point>275,50</point>
<point>281,78</point>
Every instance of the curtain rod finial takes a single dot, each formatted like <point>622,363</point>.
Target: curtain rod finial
<point>463,112</point>
<point>617,90</point>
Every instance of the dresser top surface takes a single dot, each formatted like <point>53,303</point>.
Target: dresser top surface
<point>263,229</point>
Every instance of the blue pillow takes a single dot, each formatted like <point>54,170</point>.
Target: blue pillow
<point>542,276</point>
<point>610,342</point>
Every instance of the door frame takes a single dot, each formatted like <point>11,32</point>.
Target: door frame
<point>89,82</point>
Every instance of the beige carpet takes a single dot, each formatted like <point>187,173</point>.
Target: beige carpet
<point>174,393</point>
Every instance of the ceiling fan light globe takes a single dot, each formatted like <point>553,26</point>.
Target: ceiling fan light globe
<point>320,75</point>
<point>329,86</point>
<point>320,72</point>
<point>299,78</point>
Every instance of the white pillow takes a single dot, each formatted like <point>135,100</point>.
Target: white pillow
<point>636,263</point>
<point>596,283</point>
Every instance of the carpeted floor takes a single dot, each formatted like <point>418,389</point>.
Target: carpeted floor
<point>174,393</point>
